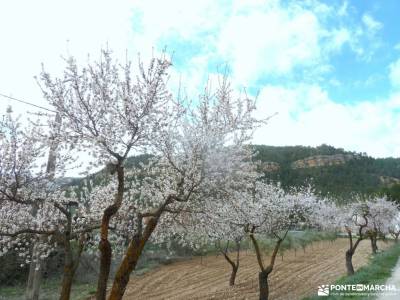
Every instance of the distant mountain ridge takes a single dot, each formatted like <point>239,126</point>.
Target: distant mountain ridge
<point>330,170</point>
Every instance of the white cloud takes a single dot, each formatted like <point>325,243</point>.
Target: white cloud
<point>33,32</point>
<point>371,24</point>
<point>270,40</point>
<point>362,37</point>
<point>343,9</point>
<point>340,37</point>
<point>394,73</point>
<point>307,116</point>
<point>255,37</point>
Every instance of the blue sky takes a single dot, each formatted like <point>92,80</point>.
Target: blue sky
<point>370,31</point>
<point>330,69</point>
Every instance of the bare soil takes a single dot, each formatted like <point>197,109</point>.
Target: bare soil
<point>297,276</point>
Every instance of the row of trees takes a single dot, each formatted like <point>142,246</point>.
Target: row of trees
<point>106,112</point>
<point>201,182</point>
<point>260,210</point>
<point>360,219</point>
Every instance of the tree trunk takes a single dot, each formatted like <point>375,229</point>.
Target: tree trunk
<point>234,265</point>
<point>105,265</point>
<point>349,262</point>
<point>67,282</point>
<point>35,275</point>
<point>29,283</point>
<point>34,280</point>
<point>233,276</point>
<point>127,265</point>
<point>70,266</point>
<point>263,274</point>
<point>104,245</point>
<point>353,246</point>
<point>374,245</point>
<point>37,279</point>
<point>130,260</point>
<point>36,268</point>
<point>263,283</point>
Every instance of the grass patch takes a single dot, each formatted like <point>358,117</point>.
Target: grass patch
<point>49,290</point>
<point>377,271</point>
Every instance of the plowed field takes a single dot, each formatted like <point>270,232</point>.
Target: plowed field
<point>293,278</point>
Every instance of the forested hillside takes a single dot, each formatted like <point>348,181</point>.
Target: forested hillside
<point>355,173</point>
<point>331,171</point>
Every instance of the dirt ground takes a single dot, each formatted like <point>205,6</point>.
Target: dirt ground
<point>293,278</point>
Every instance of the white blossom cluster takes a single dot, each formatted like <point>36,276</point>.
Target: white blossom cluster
<point>109,110</point>
<point>199,150</point>
<point>255,207</point>
<point>34,210</point>
<point>358,216</point>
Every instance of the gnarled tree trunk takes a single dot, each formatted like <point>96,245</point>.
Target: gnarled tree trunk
<point>35,275</point>
<point>105,265</point>
<point>264,272</point>
<point>233,276</point>
<point>70,266</point>
<point>67,281</point>
<point>349,262</point>
<point>263,283</point>
<point>352,248</point>
<point>234,265</point>
<point>104,245</point>
<point>374,245</point>
<point>131,258</point>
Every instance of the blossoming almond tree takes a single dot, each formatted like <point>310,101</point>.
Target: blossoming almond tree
<point>359,219</point>
<point>60,222</point>
<point>34,209</point>
<point>353,218</point>
<point>52,139</point>
<point>260,209</point>
<point>278,212</point>
<point>110,115</point>
<point>381,213</point>
<point>211,222</point>
<point>22,174</point>
<point>195,156</point>
<point>394,228</point>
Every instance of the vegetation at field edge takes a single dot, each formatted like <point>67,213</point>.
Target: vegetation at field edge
<point>376,272</point>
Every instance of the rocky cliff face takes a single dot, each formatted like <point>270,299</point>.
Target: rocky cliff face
<point>322,160</point>
<point>310,162</point>
<point>389,181</point>
<point>269,166</point>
